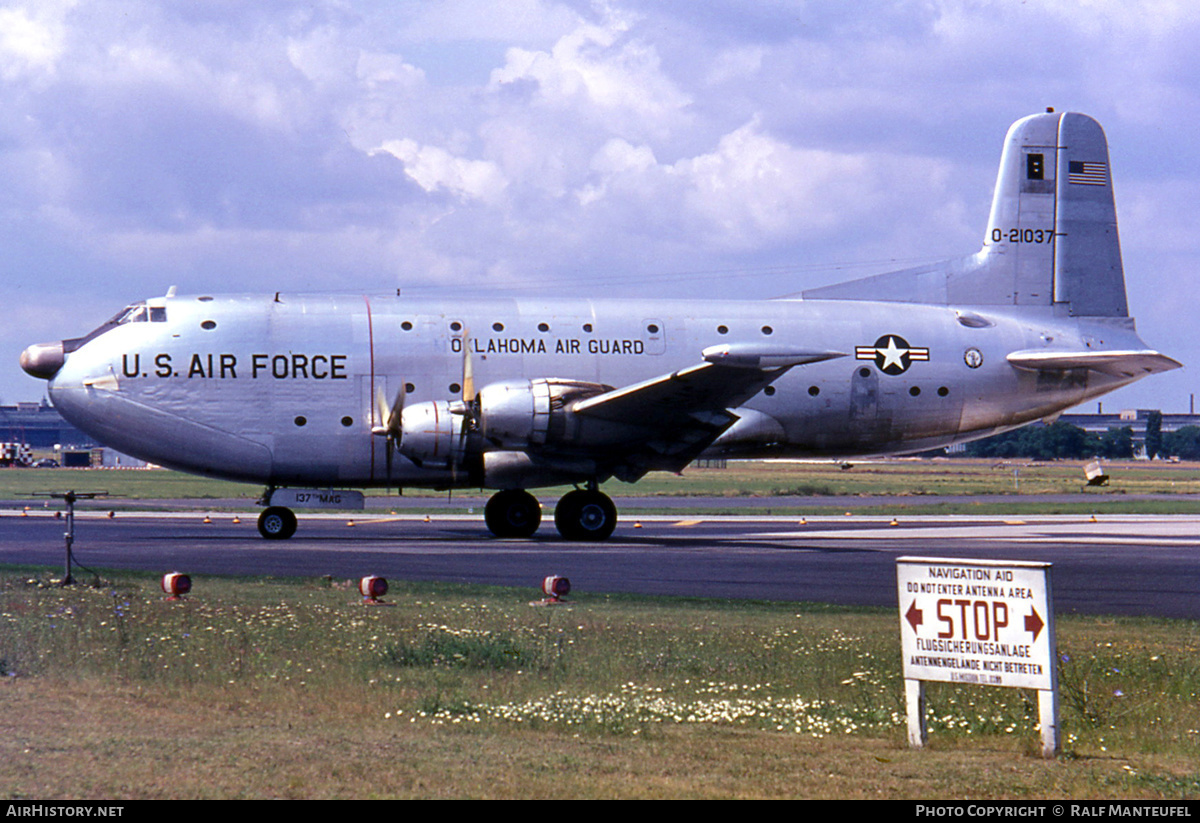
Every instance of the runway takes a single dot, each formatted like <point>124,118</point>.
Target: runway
<point>1119,564</point>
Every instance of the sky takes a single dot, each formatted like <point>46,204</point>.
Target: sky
<point>648,148</point>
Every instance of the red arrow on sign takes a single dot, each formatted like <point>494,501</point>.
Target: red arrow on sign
<point>914,616</point>
<point>1033,623</point>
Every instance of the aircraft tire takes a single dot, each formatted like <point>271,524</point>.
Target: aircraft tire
<point>512,513</point>
<point>277,523</point>
<point>585,515</point>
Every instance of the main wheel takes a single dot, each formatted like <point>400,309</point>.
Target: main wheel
<point>277,523</point>
<point>512,513</point>
<point>585,515</point>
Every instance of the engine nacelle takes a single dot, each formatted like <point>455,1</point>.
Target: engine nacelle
<point>529,414</point>
<point>432,435</point>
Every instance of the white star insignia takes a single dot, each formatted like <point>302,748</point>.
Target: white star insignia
<point>892,354</point>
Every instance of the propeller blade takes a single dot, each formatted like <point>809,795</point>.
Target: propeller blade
<point>389,424</point>
<point>468,370</point>
<point>379,413</point>
<point>394,427</point>
<point>389,417</point>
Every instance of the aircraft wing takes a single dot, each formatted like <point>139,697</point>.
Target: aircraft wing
<point>1120,363</point>
<point>668,420</point>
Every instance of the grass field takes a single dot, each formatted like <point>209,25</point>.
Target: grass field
<point>294,689</point>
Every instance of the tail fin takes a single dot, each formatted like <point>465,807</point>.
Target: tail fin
<point>1051,238</point>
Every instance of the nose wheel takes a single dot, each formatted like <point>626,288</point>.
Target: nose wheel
<point>277,523</point>
<point>585,515</point>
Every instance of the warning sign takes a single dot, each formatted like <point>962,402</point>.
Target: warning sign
<point>976,621</point>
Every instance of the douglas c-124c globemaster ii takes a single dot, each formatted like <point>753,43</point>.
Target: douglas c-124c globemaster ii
<point>310,393</point>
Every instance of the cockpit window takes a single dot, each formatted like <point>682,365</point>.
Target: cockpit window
<point>137,313</point>
<point>140,313</point>
<point>134,314</point>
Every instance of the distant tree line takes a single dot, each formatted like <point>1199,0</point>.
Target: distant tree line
<point>1064,441</point>
<point>1183,443</point>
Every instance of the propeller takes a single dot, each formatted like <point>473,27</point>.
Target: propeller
<point>391,428</point>
<point>467,407</point>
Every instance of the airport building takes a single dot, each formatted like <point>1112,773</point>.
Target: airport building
<point>40,426</point>
<point>1134,419</point>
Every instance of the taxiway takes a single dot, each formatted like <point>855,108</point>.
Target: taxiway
<point>1118,564</point>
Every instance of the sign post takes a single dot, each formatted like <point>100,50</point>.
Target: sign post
<point>978,622</point>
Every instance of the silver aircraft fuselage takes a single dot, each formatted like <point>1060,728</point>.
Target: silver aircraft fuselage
<point>282,389</point>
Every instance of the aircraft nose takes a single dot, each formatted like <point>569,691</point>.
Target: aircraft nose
<point>43,359</point>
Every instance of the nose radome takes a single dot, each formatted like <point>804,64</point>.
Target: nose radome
<point>43,359</point>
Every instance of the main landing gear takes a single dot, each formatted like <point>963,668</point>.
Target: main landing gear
<point>277,523</point>
<point>583,514</point>
<point>512,513</point>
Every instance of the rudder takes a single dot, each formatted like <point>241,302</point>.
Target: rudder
<point>1088,273</point>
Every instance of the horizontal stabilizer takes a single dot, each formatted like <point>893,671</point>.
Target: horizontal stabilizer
<point>1117,363</point>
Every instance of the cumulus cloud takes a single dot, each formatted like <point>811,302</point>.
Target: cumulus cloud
<point>435,168</point>
<point>31,41</point>
<point>556,145</point>
<point>601,72</point>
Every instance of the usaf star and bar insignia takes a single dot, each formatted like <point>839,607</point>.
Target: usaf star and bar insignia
<point>892,354</point>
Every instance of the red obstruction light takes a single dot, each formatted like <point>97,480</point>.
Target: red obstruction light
<point>176,584</point>
<point>372,588</point>
<point>556,589</point>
